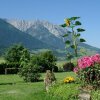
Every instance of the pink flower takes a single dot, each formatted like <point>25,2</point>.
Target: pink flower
<point>96,58</point>
<point>85,62</point>
<point>76,69</point>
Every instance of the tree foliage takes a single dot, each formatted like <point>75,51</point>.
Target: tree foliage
<point>37,63</point>
<point>48,61</point>
<point>16,54</point>
<point>30,66</point>
<point>45,60</point>
<point>30,72</point>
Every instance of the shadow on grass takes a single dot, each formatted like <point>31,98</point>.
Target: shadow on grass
<point>41,80</point>
<point>7,83</point>
<point>12,83</point>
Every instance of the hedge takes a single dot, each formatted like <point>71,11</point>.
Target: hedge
<point>9,65</point>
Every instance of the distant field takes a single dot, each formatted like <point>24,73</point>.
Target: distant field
<point>60,63</point>
<point>2,60</point>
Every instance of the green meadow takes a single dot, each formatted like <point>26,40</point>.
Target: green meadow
<point>12,87</point>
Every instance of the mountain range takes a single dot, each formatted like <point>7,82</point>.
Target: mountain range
<point>42,30</point>
<point>34,34</point>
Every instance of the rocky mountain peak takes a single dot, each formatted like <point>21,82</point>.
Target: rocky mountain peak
<point>24,25</point>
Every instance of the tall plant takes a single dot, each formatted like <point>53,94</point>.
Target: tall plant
<point>72,24</point>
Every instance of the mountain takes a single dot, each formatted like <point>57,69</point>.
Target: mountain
<point>45,31</point>
<point>45,35</point>
<point>22,25</point>
<point>10,35</point>
<point>42,33</point>
<point>42,30</point>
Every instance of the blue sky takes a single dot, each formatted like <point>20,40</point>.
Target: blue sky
<point>55,11</point>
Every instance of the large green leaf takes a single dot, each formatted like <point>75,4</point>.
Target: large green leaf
<point>63,25</point>
<point>80,30</point>
<point>67,42</point>
<point>77,35</point>
<point>65,35</point>
<point>72,46</point>
<point>77,23</point>
<point>82,40</point>
<point>74,18</point>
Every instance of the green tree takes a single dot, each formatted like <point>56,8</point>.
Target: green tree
<point>30,69</point>
<point>36,59</point>
<point>48,61</point>
<point>30,72</point>
<point>45,60</point>
<point>38,62</point>
<point>16,54</point>
<point>25,55</point>
<point>72,24</point>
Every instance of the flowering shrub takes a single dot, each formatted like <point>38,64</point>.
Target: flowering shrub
<point>88,69</point>
<point>69,79</point>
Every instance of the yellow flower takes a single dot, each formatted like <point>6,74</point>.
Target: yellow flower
<point>72,79</point>
<point>68,79</point>
<point>67,21</point>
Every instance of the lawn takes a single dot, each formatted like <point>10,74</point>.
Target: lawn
<point>12,87</point>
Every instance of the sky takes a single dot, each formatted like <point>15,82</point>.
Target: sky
<point>55,11</point>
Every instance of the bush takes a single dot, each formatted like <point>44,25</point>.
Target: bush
<point>68,66</point>
<point>55,69</point>
<point>2,68</point>
<point>30,72</point>
<point>9,65</point>
<point>88,70</point>
<point>46,61</point>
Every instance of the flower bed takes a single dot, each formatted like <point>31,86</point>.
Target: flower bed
<point>88,70</point>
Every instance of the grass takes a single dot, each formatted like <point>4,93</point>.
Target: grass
<point>67,91</point>
<point>95,95</point>
<point>12,87</point>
